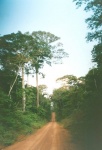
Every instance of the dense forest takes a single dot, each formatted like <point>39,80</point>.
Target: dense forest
<point>23,107</point>
<point>77,103</point>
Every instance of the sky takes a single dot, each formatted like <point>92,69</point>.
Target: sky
<point>59,17</point>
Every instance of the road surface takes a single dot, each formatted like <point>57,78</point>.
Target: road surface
<point>51,137</point>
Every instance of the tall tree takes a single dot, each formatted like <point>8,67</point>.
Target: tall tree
<point>69,81</point>
<point>14,54</point>
<point>19,51</point>
<point>47,51</point>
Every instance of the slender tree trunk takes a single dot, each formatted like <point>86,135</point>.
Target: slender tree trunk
<point>37,87</point>
<point>23,91</point>
<point>11,87</point>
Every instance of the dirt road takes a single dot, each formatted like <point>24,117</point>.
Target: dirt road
<point>51,137</point>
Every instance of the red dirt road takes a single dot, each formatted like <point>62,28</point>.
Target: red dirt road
<point>51,137</point>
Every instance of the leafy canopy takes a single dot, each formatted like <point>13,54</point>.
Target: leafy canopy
<point>95,20</point>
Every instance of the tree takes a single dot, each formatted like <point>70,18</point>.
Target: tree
<point>68,81</point>
<point>25,52</point>
<point>37,64</point>
<point>14,50</point>
<point>95,21</point>
<point>80,105</point>
<point>31,93</point>
<point>42,89</point>
<point>7,78</point>
<point>47,51</point>
<point>97,55</point>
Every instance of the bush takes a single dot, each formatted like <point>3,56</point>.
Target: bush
<point>18,123</point>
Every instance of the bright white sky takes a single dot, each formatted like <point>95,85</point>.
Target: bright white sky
<point>59,17</point>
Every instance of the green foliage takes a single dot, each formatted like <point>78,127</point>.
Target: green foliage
<point>81,108</point>
<point>28,52</point>
<point>14,124</point>
<point>7,78</point>
<point>97,55</point>
<point>6,104</point>
<point>44,109</point>
<point>95,21</point>
<point>30,98</point>
<point>69,97</point>
<point>90,126</point>
<point>7,137</point>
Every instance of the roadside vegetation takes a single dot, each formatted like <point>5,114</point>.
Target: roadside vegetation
<point>78,102</point>
<point>15,124</point>
<point>78,108</point>
<point>25,108</point>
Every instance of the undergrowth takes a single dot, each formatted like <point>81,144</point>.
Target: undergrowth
<point>12,125</point>
<point>86,133</point>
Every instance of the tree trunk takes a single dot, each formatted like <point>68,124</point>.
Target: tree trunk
<point>23,91</point>
<point>11,87</point>
<point>37,87</point>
